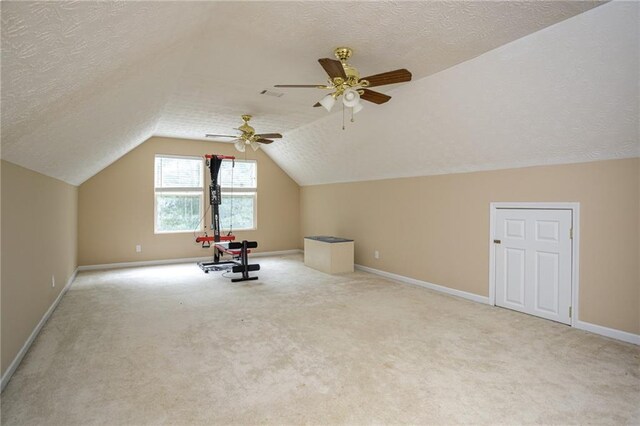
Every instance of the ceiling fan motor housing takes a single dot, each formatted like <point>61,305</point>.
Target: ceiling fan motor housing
<point>343,53</point>
<point>247,131</point>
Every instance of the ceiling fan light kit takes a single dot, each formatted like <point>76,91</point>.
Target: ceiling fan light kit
<point>328,102</point>
<point>240,145</point>
<point>351,98</point>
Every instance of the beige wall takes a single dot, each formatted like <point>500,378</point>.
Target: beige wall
<point>39,225</point>
<point>436,228</point>
<point>116,207</point>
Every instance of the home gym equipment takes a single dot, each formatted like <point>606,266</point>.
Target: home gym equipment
<point>224,244</point>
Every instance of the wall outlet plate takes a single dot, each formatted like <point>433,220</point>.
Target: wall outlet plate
<point>138,248</point>
<point>376,254</point>
<point>53,280</point>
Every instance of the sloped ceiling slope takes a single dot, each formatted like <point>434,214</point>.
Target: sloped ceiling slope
<point>85,82</point>
<point>569,93</point>
<point>254,45</point>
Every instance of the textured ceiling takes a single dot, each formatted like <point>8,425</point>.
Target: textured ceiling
<point>569,93</point>
<point>85,82</point>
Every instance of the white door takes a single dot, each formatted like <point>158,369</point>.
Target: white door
<point>533,262</point>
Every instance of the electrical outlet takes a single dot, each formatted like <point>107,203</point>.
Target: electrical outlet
<point>53,281</point>
<point>138,248</point>
<point>376,254</point>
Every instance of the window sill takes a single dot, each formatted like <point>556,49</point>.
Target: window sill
<point>176,232</point>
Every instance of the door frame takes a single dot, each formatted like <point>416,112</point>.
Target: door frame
<point>575,246</point>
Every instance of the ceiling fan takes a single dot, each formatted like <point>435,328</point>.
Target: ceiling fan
<point>344,80</point>
<point>248,136</point>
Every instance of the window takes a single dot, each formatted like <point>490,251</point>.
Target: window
<point>179,193</point>
<point>239,187</point>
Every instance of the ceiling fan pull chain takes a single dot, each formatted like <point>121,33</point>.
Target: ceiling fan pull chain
<point>233,166</point>
<point>342,116</point>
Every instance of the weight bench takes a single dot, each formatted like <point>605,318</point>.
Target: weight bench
<point>240,253</point>
<point>234,250</point>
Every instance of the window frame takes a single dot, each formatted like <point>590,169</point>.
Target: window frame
<point>179,190</point>
<point>227,190</point>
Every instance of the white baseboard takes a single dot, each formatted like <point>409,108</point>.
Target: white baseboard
<point>425,284</point>
<point>178,260</point>
<point>142,263</point>
<point>23,351</point>
<point>582,325</point>
<point>608,332</point>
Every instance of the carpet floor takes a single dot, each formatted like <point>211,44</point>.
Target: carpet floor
<point>172,345</point>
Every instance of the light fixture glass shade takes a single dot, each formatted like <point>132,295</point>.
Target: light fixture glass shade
<point>255,145</point>
<point>239,144</point>
<point>357,108</point>
<point>350,98</point>
<point>327,102</point>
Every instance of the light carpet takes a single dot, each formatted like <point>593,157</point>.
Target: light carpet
<point>172,345</point>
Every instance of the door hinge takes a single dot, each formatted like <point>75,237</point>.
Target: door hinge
<point>571,233</point>
<point>570,312</point>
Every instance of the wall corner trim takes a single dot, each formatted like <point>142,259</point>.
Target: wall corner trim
<point>25,348</point>
<point>425,284</point>
<point>178,260</point>
<point>608,332</point>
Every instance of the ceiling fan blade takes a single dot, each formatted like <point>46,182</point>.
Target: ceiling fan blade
<point>269,135</point>
<point>262,140</point>
<point>333,68</point>
<point>317,104</point>
<point>390,77</point>
<point>375,97</point>
<point>313,86</point>
<point>219,136</point>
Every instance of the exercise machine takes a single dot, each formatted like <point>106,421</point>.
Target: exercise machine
<point>224,244</point>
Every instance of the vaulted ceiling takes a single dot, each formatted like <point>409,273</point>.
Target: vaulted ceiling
<point>85,82</point>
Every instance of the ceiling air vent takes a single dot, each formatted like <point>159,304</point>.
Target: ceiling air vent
<point>272,93</point>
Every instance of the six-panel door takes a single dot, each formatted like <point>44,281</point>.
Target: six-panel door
<point>533,262</point>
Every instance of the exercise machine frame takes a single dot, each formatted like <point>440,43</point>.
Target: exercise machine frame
<point>224,244</point>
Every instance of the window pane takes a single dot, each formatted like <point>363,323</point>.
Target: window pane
<point>243,208</point>
<point>244,174</point>
<point>178,212</point>
<point>178,172</point>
